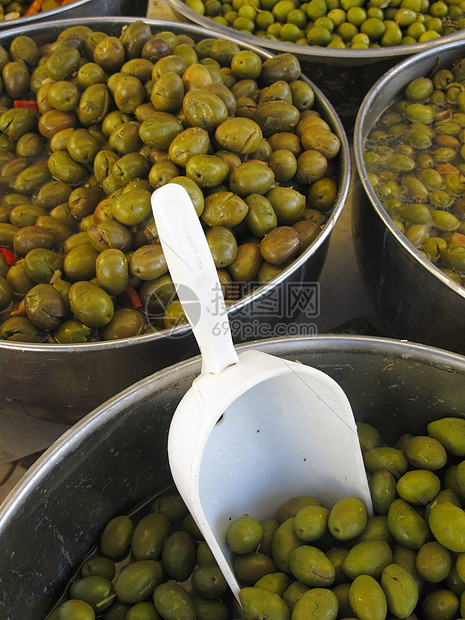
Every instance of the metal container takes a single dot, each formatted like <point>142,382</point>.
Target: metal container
<point>344,75</point>
<point>81,8</point>
<point>65,382</point>
<point>413,298</point>
<point>116,457</point>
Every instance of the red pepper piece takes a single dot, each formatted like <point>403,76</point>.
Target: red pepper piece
<point>131,297</point>
<point>23,103</point>
<point>9,256</point>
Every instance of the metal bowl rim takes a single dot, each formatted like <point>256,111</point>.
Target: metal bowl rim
<point>43,16</point>
<point>262,290</point>
<point>309,52</point>
<point>380,85</point>
<point>90,423</point>
<point>87,425</point>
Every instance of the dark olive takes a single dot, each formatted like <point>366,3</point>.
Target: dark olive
<point>44,306</point>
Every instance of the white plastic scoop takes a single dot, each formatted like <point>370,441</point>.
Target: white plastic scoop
<point>253,430</point>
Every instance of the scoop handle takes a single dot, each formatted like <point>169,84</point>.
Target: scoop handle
<point>194,275</point>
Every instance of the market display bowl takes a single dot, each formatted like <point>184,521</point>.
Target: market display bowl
<point>81,9</point>
<point>412,297</point>
<point>116,457</point>
<point>64,382</point>
<point>344,75</point>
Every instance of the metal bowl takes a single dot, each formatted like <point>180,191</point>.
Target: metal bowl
<point>65,382</point>
<point>116,457</point>
<point>345,76</point>
<point>413,298</point>
<point>81,8</point>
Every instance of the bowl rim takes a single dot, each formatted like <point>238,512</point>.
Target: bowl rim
<point>326,54</point>
<point>381,85</point>
<point>45,15</point>
<point>323,104</point>
<point>94,420</point>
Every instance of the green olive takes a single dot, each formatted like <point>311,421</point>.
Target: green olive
<point>167,92</point>
<point>223,245</point>
<point>202,108</point>
<point>276,116</point>
<point>90,304</point>
<point>112,271</point>
<point>44,306</point>
<point>207,170</point>
<point>240,135</point>
<point>224,209</point>
<point>159,130</point>
<point>280,245</point>
<point>191,141</point>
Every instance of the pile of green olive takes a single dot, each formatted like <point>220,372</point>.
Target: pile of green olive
<point>339,24</point>
<point>415,158</point>
<point>407,560</point>
<point>91,124</point>
<point>151,565</point>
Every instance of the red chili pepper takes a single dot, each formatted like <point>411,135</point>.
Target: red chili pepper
<point>9,256</point>
<point>131,296</point>
<point>24,103</point>
<point>21,309</point>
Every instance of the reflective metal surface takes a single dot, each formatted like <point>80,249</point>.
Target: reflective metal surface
<point>81,8</point>
<point>65,382</point>
<point>344,75</point>
<point>116,456</point>
<point>412,297</point>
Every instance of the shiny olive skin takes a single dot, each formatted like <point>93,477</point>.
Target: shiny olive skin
<point>148,262</point>
<point>44,306</point>
<point>112,270</point>
<point>224,209</point>
<point>202,108</point>
<point>191,141</point>
<point>223,245</point>
<point>80,263</point>
<point>41,263</point>
<point>239,135</point>
<point>91,304</point>
<point>159,129</point>
<point>252,176</point>
<point>280,245</point>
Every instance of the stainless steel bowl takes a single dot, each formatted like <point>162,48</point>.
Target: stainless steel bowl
<point>412,297</point>
<point>65,382</point>
<point>345,76</point>
<point>81,8</point>
<point>116,456</point>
